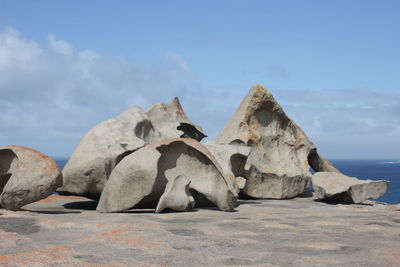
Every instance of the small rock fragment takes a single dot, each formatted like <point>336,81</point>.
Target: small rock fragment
<point>336,187</point>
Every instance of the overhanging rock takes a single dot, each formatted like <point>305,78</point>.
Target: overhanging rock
<point>141,177</point>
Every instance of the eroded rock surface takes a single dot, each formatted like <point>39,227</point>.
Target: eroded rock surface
<point>141,178</point>
<point>176,196</point>
<point>336,187</point>
<point>26,176</point>
<point>100,150</point>
<point>280,152</point>
<point>231,158</point>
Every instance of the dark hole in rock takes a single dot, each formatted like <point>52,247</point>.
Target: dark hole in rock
<point>189,131</point>
<point>237,142</point>
<point>315,161</point>
<point>238,162</point>
<point>200,199</point>
<point>3,181</point>
<point>144,130</point>
<point>7,156</point>
<point>263,116</point>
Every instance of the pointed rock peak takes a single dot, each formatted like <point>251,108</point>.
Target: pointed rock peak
<point>280,152</point>
<point>177,102</point>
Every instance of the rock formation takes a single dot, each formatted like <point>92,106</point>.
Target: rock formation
<point>141,177</point>
<point>336,187</point>
<point>106,144</point>
<point>231,158</point>
<point>176,196</point>
<point>26,176</point>
<point>280,152</point>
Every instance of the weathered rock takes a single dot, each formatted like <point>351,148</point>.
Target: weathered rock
<point>231,158</point>
<point>241,182</point>
<point>100,150</point>
<point>269,185</point>
<point>336,187</point>
<point>280,152</point>
<point>26,176</point>
<point>176,196</point>
<point>141,177</point>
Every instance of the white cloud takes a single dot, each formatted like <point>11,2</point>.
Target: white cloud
<point>59,46</point>
<point>51,95</point>
<point>17,55</point>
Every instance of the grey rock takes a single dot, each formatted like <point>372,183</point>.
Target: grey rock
<point>280,152</point>
<point>176,196</point>
<point>270,185</point>
<point>106,144</point>
<point>141,178</point>
<point>26,176</point>
<point>336,187</point>
<point>231,158</point>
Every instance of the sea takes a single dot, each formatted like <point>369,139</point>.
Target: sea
<point>373,169</point>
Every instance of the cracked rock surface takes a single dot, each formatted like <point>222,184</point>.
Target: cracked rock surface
<point>26,176</point>
<point>100,150</point>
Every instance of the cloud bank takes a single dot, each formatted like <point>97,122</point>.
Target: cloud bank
<point>51,94</point>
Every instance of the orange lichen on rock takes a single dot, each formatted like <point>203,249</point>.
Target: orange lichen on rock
<point>124,237</point>
<point>49,222</point>
<point>55,255</point>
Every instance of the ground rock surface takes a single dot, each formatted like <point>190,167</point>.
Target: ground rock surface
<point>100,150</point>
<point>67,231</point>
<point>337,187</point>
<point>26,176</point>
<point>280,152</point>
<point>141,177</point>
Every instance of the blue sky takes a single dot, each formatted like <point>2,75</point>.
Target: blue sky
<point>333,65</point>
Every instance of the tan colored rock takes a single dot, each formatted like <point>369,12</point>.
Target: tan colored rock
<point>231,158</point>
<point>101,149</point>
<point>280,152</point>
<point>336,187</point>
<point>26,176</point>
<point>141,178</point>
<point>176,196</point>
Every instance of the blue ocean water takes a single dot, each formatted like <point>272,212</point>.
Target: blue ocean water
<point>363,169</point>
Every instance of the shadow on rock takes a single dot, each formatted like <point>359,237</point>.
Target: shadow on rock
<point>51,211</point>
<point>81,205</point>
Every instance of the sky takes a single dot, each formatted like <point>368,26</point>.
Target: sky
<point>334,66</point>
